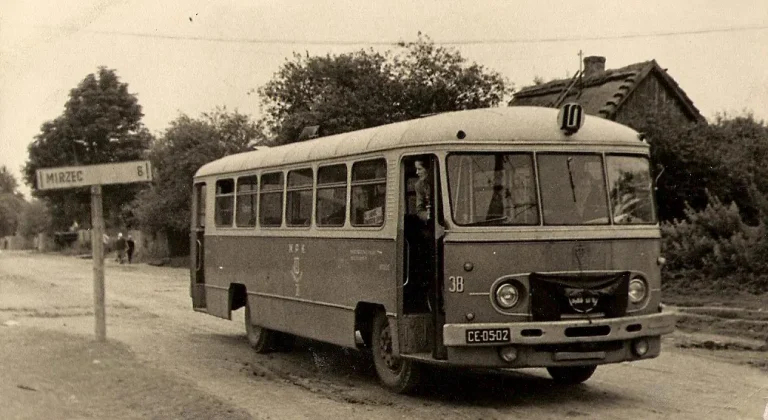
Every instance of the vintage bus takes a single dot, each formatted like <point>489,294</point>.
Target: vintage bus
<point>541,249</point>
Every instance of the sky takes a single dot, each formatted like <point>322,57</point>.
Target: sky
<point>193,56</point>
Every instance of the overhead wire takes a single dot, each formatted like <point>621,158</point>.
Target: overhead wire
<point>277,41</point>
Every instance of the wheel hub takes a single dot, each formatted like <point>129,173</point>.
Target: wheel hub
<point>385,345</point>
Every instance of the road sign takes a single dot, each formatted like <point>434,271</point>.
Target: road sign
<point>80,176</point>
<point>96,176</point>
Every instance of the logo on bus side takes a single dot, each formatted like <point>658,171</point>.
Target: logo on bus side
<point>296,272</point>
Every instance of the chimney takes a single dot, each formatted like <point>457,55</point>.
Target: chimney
<point>593,65</point>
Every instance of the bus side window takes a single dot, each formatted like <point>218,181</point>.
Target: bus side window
<point>245,214</point>
<point>298,210</point>
<point>369,187</point>
<point>271,200</point>
<point>331,195</point>
<point>225,201</point>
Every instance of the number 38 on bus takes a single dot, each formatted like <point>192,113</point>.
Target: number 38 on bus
<point>540,245</point>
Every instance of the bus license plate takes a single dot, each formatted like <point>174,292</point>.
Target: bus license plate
<point>488,335</point>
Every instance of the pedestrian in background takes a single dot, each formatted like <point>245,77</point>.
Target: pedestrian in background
<point>120,247</point>
<point>131,246</point>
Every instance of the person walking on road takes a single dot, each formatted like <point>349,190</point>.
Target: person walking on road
<point>120,247</point>
<point>131,246</point>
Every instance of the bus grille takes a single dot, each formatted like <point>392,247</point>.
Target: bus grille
<point>554,296</point>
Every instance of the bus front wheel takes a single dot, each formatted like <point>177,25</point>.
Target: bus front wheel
<point>397,374</point>
<point>261,339</point>
<point>571,375</point>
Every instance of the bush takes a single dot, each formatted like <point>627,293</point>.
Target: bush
<point>713,249</point>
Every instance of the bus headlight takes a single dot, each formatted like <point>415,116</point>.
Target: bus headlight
<point>507,296</point>
<point>637,290</point>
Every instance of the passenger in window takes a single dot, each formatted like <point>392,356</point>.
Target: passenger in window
<point>419,237</point>
<point>423,188</point>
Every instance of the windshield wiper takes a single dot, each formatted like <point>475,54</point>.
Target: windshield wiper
<point>570,177</point>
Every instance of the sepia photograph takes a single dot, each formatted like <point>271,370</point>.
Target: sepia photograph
<point>400,210</point>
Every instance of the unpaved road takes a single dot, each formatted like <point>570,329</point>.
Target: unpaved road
<point>163,360</point>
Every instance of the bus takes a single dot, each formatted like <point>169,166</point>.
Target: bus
<point>541,247</point>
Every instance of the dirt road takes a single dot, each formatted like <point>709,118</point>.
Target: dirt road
<point>163,360</point>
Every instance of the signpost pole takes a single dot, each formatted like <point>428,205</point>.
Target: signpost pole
<point>96,176</point>
<point>97,248</point>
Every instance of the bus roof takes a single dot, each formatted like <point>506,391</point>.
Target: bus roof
<point>488,125</point>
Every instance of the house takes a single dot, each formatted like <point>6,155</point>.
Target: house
<point>626,95</point>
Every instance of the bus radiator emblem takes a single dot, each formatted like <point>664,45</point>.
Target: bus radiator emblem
<point>581,300</point>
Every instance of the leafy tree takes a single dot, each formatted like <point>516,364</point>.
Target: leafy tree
<point>366,88</point>
<point>35,219</point>
<point>185,146</point>
<point>101,123</point>
<point>11,202</point>
<point>726,158</point>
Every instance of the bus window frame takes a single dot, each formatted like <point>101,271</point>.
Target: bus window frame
<point>254,193</point>
<point>298,189</point>
<point>330,186</point>
<point>272,190</point>
<point>216,198</point>
<point>375,181</point>
<point>601,154</point>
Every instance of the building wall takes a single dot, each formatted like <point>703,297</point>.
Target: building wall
<point>651,98</point>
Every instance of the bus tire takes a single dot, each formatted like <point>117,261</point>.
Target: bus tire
<point>571,375</point>
<point>397,374</point>
<point>261,339</point>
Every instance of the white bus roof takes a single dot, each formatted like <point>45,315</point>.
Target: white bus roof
<point>488,125</point>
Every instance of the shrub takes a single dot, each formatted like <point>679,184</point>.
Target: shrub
<point>714,249</point>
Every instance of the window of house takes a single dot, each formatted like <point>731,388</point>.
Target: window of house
<point>271,200</point>
<point>225,201</point>
<point>369,191</point>
<point>247,190</point>
<point>331,195</point>
<point>298,208</point>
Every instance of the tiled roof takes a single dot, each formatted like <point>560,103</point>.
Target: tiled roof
<point>603,93</point>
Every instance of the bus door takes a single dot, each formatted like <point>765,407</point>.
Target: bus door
<point>197,249</point>
<point>422,232</point>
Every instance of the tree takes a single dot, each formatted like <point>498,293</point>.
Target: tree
<point>185,146</point>
<point>35,219</point>
<point>726,158</point>
<point>101,123</point>
<point>11,202</point>
<point>366,88</point>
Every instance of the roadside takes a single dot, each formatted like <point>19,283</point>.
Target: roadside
<point>731,327</point>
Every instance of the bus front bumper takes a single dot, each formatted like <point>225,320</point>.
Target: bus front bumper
<point>557,343</point>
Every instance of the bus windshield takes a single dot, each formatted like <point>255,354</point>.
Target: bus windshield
<point>499,189</point>
<point>493,189</point>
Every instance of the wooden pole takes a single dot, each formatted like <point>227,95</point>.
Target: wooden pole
<point>97,248</point>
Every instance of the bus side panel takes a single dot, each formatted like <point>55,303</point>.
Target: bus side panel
<point>305,286</point>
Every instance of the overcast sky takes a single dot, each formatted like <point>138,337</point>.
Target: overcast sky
<point>191,56</point>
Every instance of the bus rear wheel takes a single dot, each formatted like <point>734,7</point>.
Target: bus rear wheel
<point>571,375</point>
<point>397,374</point>
<point>261,339</point>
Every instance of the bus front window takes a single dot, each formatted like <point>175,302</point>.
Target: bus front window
<point>573,189</point>
<point>630,190</point>
<point>492,189</point>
